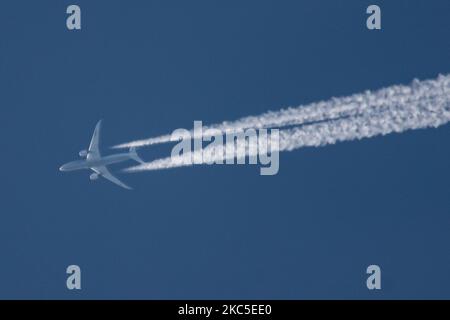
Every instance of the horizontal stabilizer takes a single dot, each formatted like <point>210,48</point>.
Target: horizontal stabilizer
<point>135,156</point>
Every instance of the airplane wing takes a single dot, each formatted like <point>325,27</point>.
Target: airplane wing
<point>94,150</point>
<point>104,172</point>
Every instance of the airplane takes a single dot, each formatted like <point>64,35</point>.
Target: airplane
<point>95,162</point>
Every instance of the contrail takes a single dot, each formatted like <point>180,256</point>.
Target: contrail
<point>422,104</point>
<point>357,104</point>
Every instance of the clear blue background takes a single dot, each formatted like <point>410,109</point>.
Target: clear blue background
<point>148,67</point>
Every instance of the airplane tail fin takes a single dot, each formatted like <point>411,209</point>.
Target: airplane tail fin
<point>135,156</point>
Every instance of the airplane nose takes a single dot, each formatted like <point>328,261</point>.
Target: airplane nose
<point>62,168</point>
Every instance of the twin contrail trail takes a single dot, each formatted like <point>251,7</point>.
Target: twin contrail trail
<point>396,108</point>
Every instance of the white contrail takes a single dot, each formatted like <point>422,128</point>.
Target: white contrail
<point>362,103</point>
<point>420,105</point>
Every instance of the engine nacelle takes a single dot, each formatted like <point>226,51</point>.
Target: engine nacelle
<point>93,176</point>
<point>83,153</point>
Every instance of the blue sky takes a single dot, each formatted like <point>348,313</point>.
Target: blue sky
<point>148,67</point>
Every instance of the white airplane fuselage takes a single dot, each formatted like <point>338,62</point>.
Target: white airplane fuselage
<point>88,164</point>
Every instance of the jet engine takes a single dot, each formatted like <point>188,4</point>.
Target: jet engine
<point>93,176</point>
<point>83,153</point>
